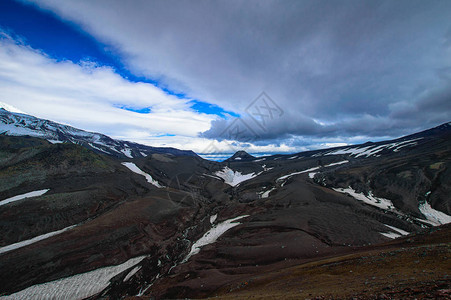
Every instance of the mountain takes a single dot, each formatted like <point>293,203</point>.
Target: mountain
<point>18,124</point>
<point>358,221</point>
<point>241,156</point>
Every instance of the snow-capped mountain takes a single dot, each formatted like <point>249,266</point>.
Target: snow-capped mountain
<point>18,124</point>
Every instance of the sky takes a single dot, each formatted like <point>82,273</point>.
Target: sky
<point>220,76</point>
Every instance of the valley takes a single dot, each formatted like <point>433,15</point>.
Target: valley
<point>85,215</point>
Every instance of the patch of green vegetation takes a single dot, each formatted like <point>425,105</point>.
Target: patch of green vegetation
<point>436,166</point>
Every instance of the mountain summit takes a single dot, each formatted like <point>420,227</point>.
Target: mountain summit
<point>241,156</point>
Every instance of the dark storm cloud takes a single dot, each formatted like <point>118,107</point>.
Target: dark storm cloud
<point>336,68</point>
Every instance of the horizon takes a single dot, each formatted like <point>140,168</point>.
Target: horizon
<point>222,156</point>
<point>266,77</point>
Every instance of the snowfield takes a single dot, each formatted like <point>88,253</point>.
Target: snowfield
<point>23,196</point>
<point>435,217</point>
<point>79,286</point>
<point>137,170</point>
<point>212,235</point>
<point>233,178</point>
<point>370,199</point>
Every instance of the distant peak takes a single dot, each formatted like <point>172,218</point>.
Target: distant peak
<point>241,156</point>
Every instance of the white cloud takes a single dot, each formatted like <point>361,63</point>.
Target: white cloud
<point>86,96</point>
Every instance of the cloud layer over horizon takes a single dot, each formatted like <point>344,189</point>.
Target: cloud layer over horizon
<point>341,71</point>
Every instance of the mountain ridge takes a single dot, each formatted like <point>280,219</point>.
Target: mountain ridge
<point>12,123</point>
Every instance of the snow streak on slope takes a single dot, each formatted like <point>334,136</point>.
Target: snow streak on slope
<point>297,173</point>
<point>311,175</point>
<point>395,233</point>
<point>337,163</point>
<point>370,199</point>
<point>212,235</point>
<point>131,273</point>
<point>137,170</point>
<point>33,240</point>
<point>390,235</point>
<point>436,217</point>
<point>232,177</point>
<point>79,286</point>
<point>23,196</point>
<point>402,232</point>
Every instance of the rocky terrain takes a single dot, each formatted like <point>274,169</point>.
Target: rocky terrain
<point>357,221</point>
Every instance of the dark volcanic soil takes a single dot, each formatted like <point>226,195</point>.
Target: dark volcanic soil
<point>415,267</point>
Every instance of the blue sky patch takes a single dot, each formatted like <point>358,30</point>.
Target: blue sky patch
<point>211,109</point>
<point>143,110</point>
<point>66,41</point>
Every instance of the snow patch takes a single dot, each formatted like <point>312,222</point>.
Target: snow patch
<point>79,286</point>
<point>233,178</point>
<point>24,196</point>
<point>213,218</point>
<point>137,170</point>
<point>212,235</point>
<point>261,159</point>
<point>127,152</point>
<point>370,199</point>
<point>265,194</point>
<point>267,169</point>
<point>435,217</point>
<point>131,273</point>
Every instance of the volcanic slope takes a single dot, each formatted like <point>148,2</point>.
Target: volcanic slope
<point>206,226</point>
